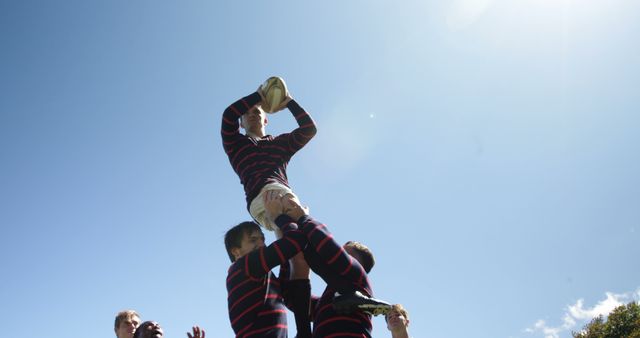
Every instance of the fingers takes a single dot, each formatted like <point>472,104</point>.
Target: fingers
<point>284,103</point>
<point>273,204</point>
<point>261,92</point>
<point>272,195</point>
<point>197,332</point>
<point>291,201</point>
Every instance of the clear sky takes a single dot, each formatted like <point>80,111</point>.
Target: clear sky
<point>487,151</point>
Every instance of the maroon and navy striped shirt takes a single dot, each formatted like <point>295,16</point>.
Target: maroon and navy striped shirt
<point>259,162</point>
<point>343,274</point>
<point>256,307</point>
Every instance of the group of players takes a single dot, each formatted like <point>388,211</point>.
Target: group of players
<point>258,299</point>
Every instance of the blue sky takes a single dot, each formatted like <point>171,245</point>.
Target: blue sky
<point>486,151</point>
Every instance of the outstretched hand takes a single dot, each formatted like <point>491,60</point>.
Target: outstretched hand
<point>197,332</point>
<point>285,101</point>
<point>261,92</point>
<point>293,208</point>
<point>287,97</point>
<point>273,206</point>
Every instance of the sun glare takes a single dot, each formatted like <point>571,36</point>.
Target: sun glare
<point>462,14</point>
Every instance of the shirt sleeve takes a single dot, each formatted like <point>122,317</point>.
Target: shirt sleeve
<point>259,262</point>
<point>300,136</point>
<point>330,252</point>
<point>230,127</point>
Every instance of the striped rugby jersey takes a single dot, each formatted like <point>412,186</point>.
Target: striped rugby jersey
<point>258,162</point>
<point>256,307</point>
<point>343,274</point>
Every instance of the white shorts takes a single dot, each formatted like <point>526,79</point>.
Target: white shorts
<point>256,209</point>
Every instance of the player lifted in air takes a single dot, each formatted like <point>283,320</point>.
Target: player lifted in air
<point>260,160</point>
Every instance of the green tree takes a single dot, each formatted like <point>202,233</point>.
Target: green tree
<point>623,322</point>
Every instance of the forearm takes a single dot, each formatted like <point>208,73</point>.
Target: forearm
<point>278,252</point>
<point>230,125</point>
<point>293,240</point>
<point>306,126</point>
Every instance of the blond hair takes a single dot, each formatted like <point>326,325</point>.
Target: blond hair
<point>123,315</point>
<point>399,309</point>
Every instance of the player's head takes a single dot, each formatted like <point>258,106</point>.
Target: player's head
<point>254,121</point>
<point>242,239</point>
<point>397,318</point>
<point>362,253</point>
<point>126,323</point>
<point>149,329</point>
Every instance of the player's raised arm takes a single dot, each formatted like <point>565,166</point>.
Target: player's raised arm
<point>260,262</point>
<point>230,127</point>
<point>306,126</point>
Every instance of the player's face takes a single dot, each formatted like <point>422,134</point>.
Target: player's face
<point>396,320</point>
<point>250,242</point>
<point>152,330</point>
<point>253,120</point>
<point>127,327</point>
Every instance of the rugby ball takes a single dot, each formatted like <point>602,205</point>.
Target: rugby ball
<point>274,93</point>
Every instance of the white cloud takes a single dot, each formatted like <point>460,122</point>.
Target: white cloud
<point>577,315</point>
<point>578,311</point>
<point>549,332</point>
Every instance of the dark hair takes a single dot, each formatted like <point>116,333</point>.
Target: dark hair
<point>233,237</point>
<point>363,255</point>
<point>141,328</point>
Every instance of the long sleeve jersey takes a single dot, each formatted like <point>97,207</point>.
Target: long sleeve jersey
<point>256,307</point>
<point>259,162</point>
<point>343,274</point>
